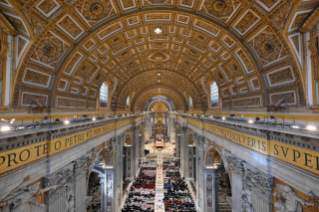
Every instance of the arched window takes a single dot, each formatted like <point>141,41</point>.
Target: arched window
<point>128,102</point>
<point>103,95</point>
<point>214,94</point>
<point>190,103</point>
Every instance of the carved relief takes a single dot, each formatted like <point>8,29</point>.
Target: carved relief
<point>70,27</point>
<point>32,99</point>
<point>288,200</point>
<point>248,102</point>
<point>287,98</point>
<point>95,11</point>
<point>50,50</point>
<point>280,76</point>
<point>267,46</point>
<point>221,9</point>
<point>70,103</point>
<point>246,22</point>
<point>37,78</point>
<point>48,7</point>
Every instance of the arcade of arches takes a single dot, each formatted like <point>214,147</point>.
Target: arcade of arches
<point>159,105</point>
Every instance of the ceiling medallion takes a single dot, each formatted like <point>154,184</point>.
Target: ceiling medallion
<point>268,46</point>
<point>158,57</point>
<point>219,5</point>
<point>97,8</point>
<point>50,50</point>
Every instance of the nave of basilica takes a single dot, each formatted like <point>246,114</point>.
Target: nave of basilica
<point>159,106</point>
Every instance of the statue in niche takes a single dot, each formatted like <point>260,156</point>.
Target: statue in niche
<point>288,201</point>
<point>23,199</point>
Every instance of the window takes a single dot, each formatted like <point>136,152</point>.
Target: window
<point>214,94</point>
<point>128,102</point>
<point>190,103</point>
<point>103,95</point>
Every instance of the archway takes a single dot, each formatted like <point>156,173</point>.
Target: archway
<point>221,192</point>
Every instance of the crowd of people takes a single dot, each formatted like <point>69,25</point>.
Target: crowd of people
<point>177,196</point>
<point>142,193</point>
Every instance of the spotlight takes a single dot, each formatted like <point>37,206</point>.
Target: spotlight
<point>158,30</point>
<point>158,80</point>
<point>311,128</point>
<point>224,118</point>
<point>93,119</point>
<point>66,122</point>
<point>250,121</point>
<point>12,120</point>
<point>295,127</point>
<point>5,128</point>
<point>158,74</point>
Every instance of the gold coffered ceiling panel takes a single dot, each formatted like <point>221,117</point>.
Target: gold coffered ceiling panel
<point>79,44</point>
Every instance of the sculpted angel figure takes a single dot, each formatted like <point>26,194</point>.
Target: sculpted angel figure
<point>23,200</point>
<point>289,201</point>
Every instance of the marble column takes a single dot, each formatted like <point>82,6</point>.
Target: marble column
<point>211,188</point>
<point>118,179</point>
<point>135,150</point>
<point>103,192</point>
<point>200,166</point>
<point>184,151</point>
<point>147,128</point>
<point>237,170</point>
<point>57,200</point>
<point>178,143</point>
<point>171,129</point>
<point>190,165</point>
<point>141,146</point>
<point>129,169</point>
<point>257,190</point>
<point>109,189</point>
<point>80,183</point>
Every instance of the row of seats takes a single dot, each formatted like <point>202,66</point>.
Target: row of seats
<point>142,193</point>
<point>176,194</point>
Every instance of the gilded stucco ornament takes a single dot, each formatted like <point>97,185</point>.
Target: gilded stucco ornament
<point>219,5</point>
<point>196,46</point>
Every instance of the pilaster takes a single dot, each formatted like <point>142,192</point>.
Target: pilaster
<point>237,170</point>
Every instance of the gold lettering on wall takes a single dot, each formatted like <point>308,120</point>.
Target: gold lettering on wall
<point>303,158</point>
<point>19,157</point>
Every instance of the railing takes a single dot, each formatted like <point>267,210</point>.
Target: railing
<point>267,124</point>
<point>298,147</point>
<point>19,148</point>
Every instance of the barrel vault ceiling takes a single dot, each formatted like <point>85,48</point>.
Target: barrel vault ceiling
<point>69,48</point>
